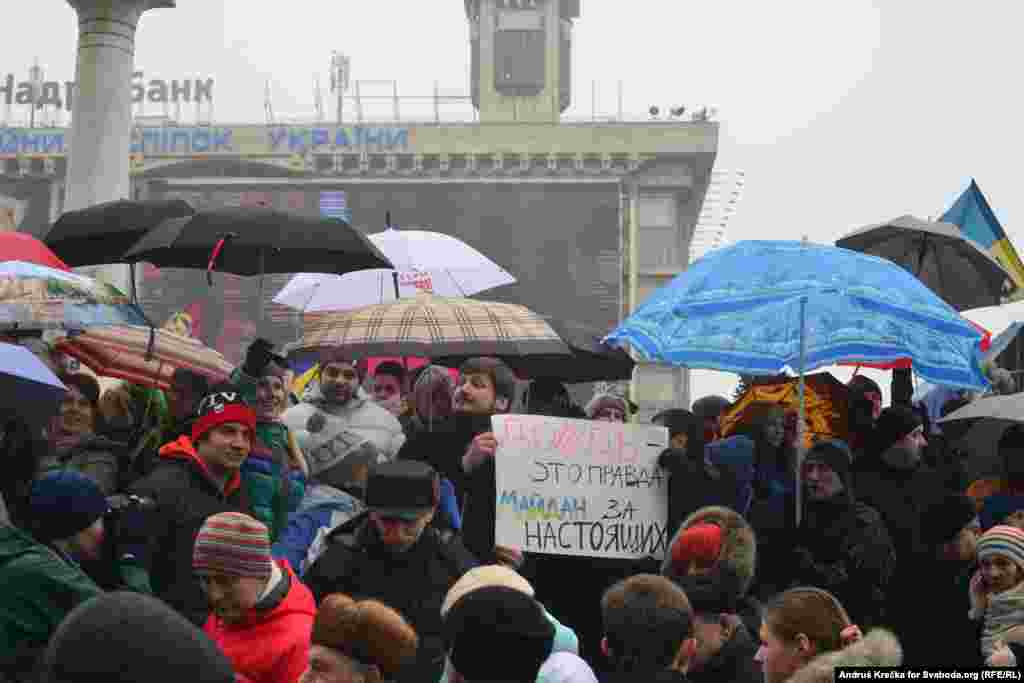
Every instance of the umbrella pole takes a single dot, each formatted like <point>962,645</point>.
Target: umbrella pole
<point>394,279</point>
<point>259,300</point>
<point>133,290</point>
<point>801,420</point>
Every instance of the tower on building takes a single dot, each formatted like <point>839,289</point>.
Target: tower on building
<point>521,58</point>
<point>720,204</point>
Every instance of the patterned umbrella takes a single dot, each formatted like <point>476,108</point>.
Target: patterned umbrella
<point>143,355</point>
<point>432,326</point>
<point>37,297</point>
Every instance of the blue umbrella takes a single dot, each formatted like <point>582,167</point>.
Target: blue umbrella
<point>757,307</point>
<point>33,390</point>
<point>752,308</point>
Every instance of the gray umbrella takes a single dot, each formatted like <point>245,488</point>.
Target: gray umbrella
<point>953,266</point>
<point>981,444</point>
<point>1007,407</point>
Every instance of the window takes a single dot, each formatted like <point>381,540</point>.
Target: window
<point>659,243</point>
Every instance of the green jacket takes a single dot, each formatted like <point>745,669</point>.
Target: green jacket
<point>40,589</point>
<point>265,474</point>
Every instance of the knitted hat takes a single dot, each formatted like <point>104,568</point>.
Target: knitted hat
<point>404,488</point>
<point>235,544</point>
<point>480,577</point>
<point>63,503</point>
<point>127,637</point>
<point>701,543</point>
<point>945,518</point>
<point>834,453</point>
<point>1003,540</point>
<point>498,619</point>
<point>894,423</point>
<point>221,407</point>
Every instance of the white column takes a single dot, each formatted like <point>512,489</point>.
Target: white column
<point>98,163</point>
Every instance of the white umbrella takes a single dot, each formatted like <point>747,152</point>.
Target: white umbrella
<point>426,262</point>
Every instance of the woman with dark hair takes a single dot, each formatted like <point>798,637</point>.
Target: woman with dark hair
<point>74,442</point>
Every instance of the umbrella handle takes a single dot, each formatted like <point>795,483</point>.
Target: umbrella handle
<point>215,253</point>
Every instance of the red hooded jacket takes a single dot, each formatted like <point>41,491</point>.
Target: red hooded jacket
<point>272,646</point>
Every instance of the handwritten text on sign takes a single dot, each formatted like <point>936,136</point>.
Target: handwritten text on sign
<point>580,487</point>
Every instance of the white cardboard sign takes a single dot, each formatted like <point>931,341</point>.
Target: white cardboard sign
<point>580,487</point>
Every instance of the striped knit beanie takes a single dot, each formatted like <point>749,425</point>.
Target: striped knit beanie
<point>235,544</point>
<point>1003,540</point>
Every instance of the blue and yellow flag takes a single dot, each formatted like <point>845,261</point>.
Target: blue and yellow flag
<point>972,213</point>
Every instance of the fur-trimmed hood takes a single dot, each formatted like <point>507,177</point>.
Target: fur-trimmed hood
<point>738,558</point>
<point>878,648</point>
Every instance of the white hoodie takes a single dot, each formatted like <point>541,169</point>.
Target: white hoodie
<point>339,429</point>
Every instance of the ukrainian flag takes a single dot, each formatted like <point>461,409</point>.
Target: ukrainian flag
<point>972,213</point>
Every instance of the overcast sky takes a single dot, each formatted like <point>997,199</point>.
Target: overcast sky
<point>841,113</point>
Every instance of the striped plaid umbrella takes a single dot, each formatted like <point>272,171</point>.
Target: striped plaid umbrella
<point>430,326</point>
<point>143,356</point>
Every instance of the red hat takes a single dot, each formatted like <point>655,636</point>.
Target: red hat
<point>701,542</point>
<point>221,407</point>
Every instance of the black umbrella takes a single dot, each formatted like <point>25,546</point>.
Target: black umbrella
<point>104,232</point>
<point>591,361</point>
<point>959,270</point>
<point>256,241</point>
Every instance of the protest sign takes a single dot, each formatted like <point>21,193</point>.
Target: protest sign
<point>580,487</point>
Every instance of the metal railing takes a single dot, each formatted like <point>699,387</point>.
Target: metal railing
<point>379,102</point>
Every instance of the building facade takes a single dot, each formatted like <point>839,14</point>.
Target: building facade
<point>590,217</point>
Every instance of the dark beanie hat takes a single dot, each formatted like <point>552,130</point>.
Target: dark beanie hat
<point>127,637</point>
<point>498,619</point>
<point>834,453</point>
<point>894,423</point>
<point>943,519</point>
<point>864,385</point>
<point>710,406</point>
<point>63,503</point>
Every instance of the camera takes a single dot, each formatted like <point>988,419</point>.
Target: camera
<point>120,505</point>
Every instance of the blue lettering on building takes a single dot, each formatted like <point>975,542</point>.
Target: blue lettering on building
<point>188,140</point>
<point>302,139</point>
<point>14,141</point>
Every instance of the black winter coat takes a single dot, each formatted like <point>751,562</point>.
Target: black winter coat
<point>442,447</point>
<point>844,547</point>
<point>950,639</point>
<point>900,496</point>
<point>734,662</point>
<point>185,496</point>
<point>414,583</point>
<point>694,483</point>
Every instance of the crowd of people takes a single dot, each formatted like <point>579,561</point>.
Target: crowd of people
<point>241,532</point>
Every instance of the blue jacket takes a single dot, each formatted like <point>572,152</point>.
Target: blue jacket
<point>324,508</point>
<point>737,454</point>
